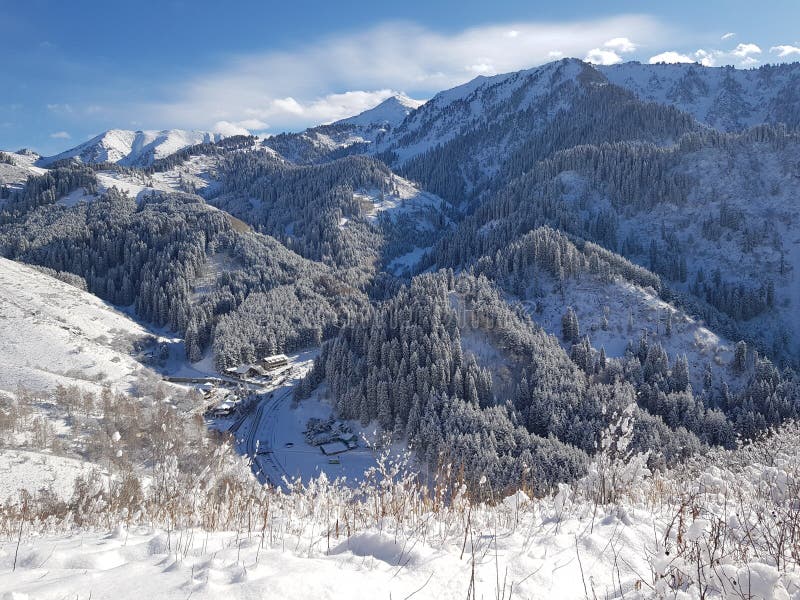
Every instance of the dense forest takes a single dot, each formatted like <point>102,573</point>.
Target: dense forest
<point>428,264</point>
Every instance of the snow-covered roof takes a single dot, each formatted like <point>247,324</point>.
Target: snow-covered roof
<point>334,448</point>
<point>277,358</point>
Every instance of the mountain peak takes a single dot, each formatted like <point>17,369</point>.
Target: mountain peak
<point>390,112</point>
<point>137,148</point>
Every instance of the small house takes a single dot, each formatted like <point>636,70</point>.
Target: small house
<point>244,371</point>
<point>333,448</point>
<point>224,409</point>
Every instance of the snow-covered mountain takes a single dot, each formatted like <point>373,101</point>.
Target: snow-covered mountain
<point>725,98</point>
<point>133,148</point>
<point>389,113</point>
<point>364,128</point>
<point>465,141</point>
<point>487,100</point>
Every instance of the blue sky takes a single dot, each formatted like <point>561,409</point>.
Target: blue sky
<point>70,70</point>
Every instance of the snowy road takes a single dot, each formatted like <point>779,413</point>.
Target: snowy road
<point>259,435</point>
<point>271,434</point>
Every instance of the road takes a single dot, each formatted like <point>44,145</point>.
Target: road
<point>256,435</point>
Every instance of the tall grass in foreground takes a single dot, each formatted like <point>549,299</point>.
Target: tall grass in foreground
<point>720,525</point>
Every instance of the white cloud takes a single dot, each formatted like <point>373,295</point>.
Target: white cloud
<point>60,135</point>
<point>227,128</point>
<point>288,89</point>
<point>670,57</point>
<point>728,36</point>
<point>745,50</point>
<point>785,50</point>
<point>480,68</point>
<point>60,108</point>
<point>555,54</point>
<point>620,44</point>
<point>707,58</point>
<point>602,57</point>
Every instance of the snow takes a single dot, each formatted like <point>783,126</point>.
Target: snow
<point>273,434</point>
<point>35,471</point>
<point>194,172</point>
<point>593,299</point>
<point>133,148</point>
<point>405,199</point>
<point>725,98</point>
<point>312,144</point>
<point>323,542</point>
<point>469,106</point>
<point>391,112</point>
<point>405,263</point>
<point>53,333</point>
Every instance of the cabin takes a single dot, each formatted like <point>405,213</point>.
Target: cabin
<point>333,448</point>
<point>275,361</point>
<point>223,402</point>
<point>224,409</point>
<point>244,371</point>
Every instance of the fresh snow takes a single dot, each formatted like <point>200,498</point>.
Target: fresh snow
<point>35,471</point>
<point>469,106</point>
<point>133,148</point>
<point>271,434</point>
<point>53,333</point>
<point>325,542</point>
<point>389,113</point>
<point>405,263</point>
<point>722,97</point>
<point>405,199</point>
<point>620,300</point>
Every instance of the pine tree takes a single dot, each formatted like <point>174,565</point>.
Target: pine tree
<point>740,357</point>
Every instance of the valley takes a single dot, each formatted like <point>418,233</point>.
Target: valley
<point>546,320</point>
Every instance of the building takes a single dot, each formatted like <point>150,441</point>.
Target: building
<point>350,439</point>
<point>244,371</point>
<point>275,361</point>
<point>224,409</point>
<point>333,448</point>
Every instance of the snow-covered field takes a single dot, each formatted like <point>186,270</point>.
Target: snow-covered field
<point>193,174</point>
<point>53,333</point>
<point>35,471</point>
<point>711,529</point>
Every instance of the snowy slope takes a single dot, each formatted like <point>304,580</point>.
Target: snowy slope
<point>723,97</point>
<point>365,128</point>
<point>14,175</point>
<point>133,148</point>
<point>604,309</point>
<point>34,471</point>
<point>700,532</point>
<point>390,113</point>
<point>53,333</point>
<point>483,101</point>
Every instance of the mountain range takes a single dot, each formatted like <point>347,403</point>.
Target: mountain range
<point>519,258</point>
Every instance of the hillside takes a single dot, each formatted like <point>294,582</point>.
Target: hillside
<point>132,148</point>
<point>645,260</point>
<point>53,333</point>
<point>725,98</point>
<point>701,531</point>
